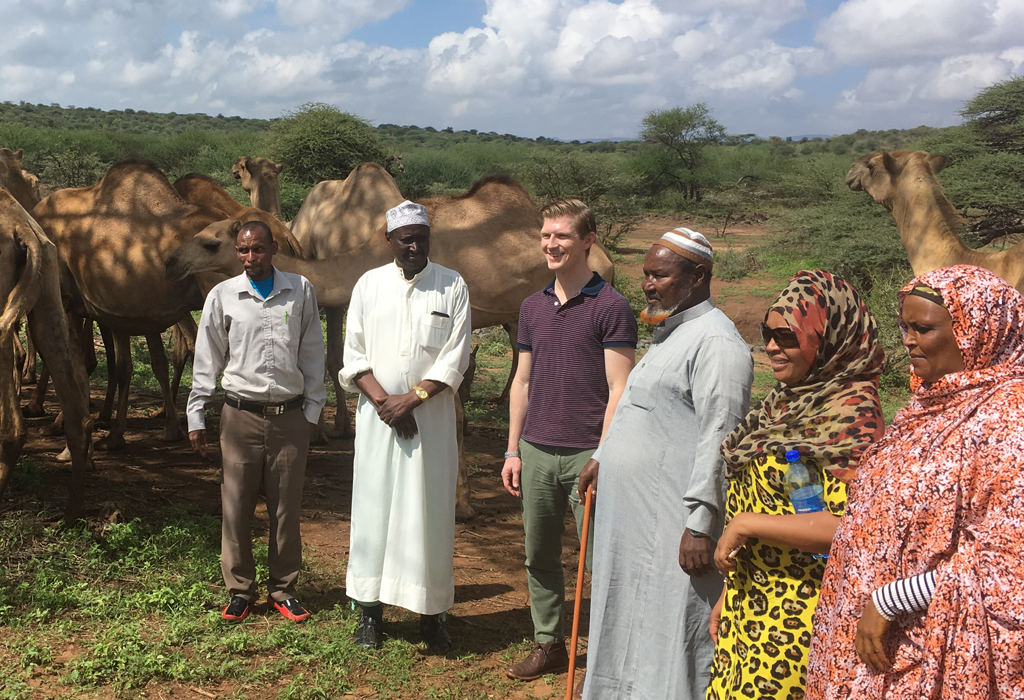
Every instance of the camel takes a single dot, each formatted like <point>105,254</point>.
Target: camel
<point>490,235</point>
<point>112,239</point>
<point>393,161</point>
<point>904,182</point>
<point>259,178</point>
<point>29,284</point>
<point>21,184</point>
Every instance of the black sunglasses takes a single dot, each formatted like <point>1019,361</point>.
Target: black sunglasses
<point>783,337</point>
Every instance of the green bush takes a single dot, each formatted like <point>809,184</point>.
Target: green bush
<point>320,142</point>
<point>429,173</point>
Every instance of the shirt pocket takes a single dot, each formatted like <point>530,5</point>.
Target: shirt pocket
<point>644,391</point>
<point>434,331</point>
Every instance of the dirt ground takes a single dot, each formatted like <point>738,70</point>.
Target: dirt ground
<point>491,599</point>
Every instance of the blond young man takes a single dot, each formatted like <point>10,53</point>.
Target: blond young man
<point>577,342</point>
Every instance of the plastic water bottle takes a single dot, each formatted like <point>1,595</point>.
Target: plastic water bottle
<point>805,489</point>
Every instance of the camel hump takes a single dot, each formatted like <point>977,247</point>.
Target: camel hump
<point>130,183</point>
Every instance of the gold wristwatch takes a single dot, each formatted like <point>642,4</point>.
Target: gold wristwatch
<point>421,392</point>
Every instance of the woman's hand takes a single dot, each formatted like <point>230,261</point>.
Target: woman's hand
<point>734,537</point>
<point>870,631</point>
<point>716,616</point>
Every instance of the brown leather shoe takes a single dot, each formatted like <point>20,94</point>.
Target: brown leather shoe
<point>544,659</point>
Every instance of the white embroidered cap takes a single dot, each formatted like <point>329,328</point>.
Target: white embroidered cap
<point>689,244</point>
<point>406,214</point>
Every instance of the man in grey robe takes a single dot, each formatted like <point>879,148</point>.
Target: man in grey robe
<point>662,487</point>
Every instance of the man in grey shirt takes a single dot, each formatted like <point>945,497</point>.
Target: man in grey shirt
<point>662,487</point>
<point>262,330</point>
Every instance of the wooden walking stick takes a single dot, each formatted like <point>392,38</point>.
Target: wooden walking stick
<point>574,640</point>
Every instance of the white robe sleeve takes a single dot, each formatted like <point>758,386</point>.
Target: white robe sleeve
<point>453,359</point>
<point>355,358</point>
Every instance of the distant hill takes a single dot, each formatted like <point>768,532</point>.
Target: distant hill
<point>130,121</point>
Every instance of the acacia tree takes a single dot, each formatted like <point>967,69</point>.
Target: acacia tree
<point>997,114</point>
<point>677,138</point>
<point>320,142</point>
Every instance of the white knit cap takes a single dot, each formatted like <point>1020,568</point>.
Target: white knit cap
<point>689,244</point>
<point>406,214</point>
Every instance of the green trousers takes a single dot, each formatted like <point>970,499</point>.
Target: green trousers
<point>548,482</point>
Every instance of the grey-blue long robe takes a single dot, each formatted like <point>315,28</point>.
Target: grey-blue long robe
<point>661,472</point>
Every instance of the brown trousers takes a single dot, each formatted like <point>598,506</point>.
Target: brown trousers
<point>268,451</point>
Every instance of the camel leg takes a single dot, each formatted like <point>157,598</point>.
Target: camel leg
<point>58,345</point>
<point>513,334</point>
<point>184,348</point>
<point>335,360</point>
<point>28,368</point>
<point>12,425</point>
<point>463,506</point>
<point>158,359</point>
<point>123,361</point>
<point>110,349</point>
<point>34,407</point>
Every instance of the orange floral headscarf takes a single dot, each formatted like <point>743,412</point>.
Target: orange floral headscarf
<point>943,490</point>
<point>835,413</point>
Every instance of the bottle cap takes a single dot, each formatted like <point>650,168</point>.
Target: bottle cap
<point>792,456</point>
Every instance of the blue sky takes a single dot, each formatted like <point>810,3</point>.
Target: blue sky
<point>560,68</point>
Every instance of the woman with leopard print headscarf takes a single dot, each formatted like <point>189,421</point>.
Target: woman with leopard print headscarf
<point>922,598</point>
<point>823,346</point>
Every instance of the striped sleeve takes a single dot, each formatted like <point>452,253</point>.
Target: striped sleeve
<point>907,595</point>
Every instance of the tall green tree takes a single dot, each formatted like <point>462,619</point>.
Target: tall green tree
<point>997,114</point>
<point>320,142</point>
<point>677,139</point>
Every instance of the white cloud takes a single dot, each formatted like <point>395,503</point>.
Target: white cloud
<point>570,68</point>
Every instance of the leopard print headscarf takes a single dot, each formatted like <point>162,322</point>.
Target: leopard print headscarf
<point>835,413</point>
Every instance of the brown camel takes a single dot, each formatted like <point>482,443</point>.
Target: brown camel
<point>259,178</point>
<point>904,182</point>
<point>22,185</point>
<point>490,235</point>
<point>29,285</point>
<point>112,239</point>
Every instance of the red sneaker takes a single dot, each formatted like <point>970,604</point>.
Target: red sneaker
<point>291,609</point>
<point>237,609</point>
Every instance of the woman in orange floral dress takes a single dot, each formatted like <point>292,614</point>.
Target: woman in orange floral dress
<point>924,594</point>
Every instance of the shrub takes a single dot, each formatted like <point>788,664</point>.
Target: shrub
<point>320,142</point>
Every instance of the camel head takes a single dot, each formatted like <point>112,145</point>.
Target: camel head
<point>211,252</point>
<point>16,180</point>
<point>254,172</point>
<point>878,174</point>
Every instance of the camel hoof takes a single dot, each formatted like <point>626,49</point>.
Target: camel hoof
<point>65,456</point>
<point>464,513</point>
<point>320,437</point>
<point>102,423</point>
<point>31,411</point>
<point>172,435</point>
<point>53,429</point>
<point>111,443</point>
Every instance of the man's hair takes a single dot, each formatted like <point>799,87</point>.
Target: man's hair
<point>257,225</point>
<point>583,221</point>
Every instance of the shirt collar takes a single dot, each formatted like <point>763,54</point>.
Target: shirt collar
<point>672,322</point>
<point>418,276</point>
<point>242,285</point>
<point>591,289</point>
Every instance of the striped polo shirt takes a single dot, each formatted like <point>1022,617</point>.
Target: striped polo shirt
<point>568,387</point>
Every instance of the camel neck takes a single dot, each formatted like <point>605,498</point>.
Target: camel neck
<point>926,222</point>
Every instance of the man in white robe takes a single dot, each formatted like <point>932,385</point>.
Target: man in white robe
<point>407,345</point>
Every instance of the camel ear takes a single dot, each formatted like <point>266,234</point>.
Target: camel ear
<point>17,154</point>
<point>276,167</point>
<point>890,164</point>
<point>938,162</point>
<point>236,226</point>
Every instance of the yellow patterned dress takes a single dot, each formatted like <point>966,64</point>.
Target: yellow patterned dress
<point>770,598</point>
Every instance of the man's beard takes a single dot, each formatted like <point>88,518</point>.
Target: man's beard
<point>653,317</point>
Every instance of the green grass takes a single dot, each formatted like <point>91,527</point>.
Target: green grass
<point>140,603</point>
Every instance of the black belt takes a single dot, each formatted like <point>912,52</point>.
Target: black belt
<point>264,409</point>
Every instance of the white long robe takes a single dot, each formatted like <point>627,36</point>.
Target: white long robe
<point>403,491</point>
